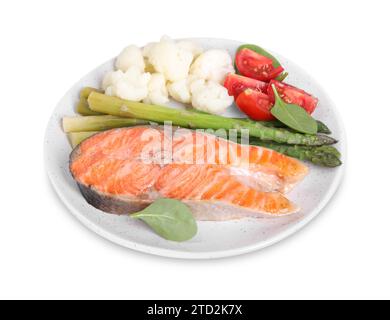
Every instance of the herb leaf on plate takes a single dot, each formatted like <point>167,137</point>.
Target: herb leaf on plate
<point>293,116</point>
<point>169,218</point>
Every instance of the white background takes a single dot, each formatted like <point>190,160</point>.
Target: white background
<point>45,46</point>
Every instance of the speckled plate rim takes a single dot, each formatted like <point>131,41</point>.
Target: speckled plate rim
<point>181,254</point>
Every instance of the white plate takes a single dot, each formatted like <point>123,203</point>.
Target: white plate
<point>214,239</point>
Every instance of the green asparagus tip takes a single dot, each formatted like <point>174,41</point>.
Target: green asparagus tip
<point>326,140</point>
<point>328,160</point>
<point>323,128</point>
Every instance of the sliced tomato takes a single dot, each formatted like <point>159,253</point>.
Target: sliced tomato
<point>255,104</point>
<point>237,84</point>
<point>253,65</point>
<point>294,95</point>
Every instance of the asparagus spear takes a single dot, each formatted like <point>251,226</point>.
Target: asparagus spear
<point>327,156</point>
<point>84,109</point>
<point>322,128</point>
<point>86,91</point>
<point>98,123</point>
<point>75,138</point>
<point>189,119</point>
<point>82,106</point>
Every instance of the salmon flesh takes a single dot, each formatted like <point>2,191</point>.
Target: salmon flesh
<point>124,170</point>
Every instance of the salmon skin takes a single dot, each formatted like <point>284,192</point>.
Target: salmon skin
<point>122,171</point>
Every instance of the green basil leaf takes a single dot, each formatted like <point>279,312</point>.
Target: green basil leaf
<point>171,219</point>
<point>293,116</point>
<point>264,53</point>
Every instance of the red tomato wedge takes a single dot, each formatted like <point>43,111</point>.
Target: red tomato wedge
<point>237,84</point>
<point>255,104</point>
<point>253,65</point>
<point>290,94</point>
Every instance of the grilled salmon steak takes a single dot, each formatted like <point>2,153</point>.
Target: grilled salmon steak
<point>121,171</point>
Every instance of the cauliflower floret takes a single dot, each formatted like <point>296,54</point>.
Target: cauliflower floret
<point>196,84</point>
<point>168,58</point>
<point>213,65</point>
<point>130,57</point>
<point>111,78</point>
<point>146,49</point>
<point>180,90</point>
<point>129,85</point>
<point>210,96</point>
<point>192,47</point>
<point>145,53</point>
<point>158,93</point>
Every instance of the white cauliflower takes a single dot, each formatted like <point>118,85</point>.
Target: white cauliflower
<point>180,90</point>
<point>209,96</point>
<point>196,84</point>
<point>213,65</point>
<point>130,57</point>
<point>190,46</point>
<point>111,78</point>
<point>145,53</point>
<point>158,93</point>
<point>146,49</point>
<point>168,58</point>
<point>130,85</point>
<point>172,71</point>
